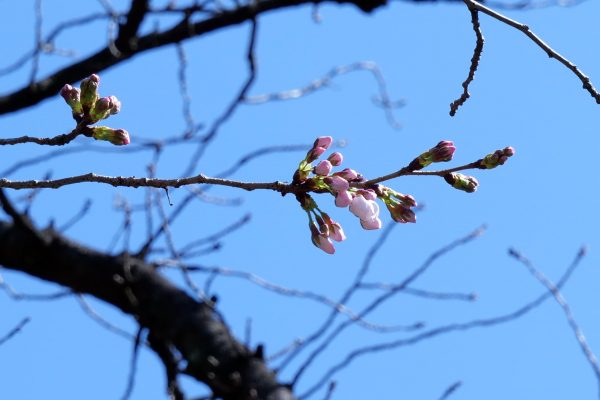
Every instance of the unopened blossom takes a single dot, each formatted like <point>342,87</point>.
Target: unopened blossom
<point>323,168</point>
<point>462,182</point>
<point>118,137</point>
<point>321,241</point>
<point>401,213</point>
<point>101,110</point>
<point>348,174</point>
<point>319,147</point>
<point>372,224</point>
<point>343,199</point>
<point>89,91</point>
<point>115,105</point>
<point>323,141</point>
<point>367,211</point>
<point>496,158</point>
<point>442,152</point>
<point>72,96</point>
<point>336,159</point>
<point>335,229</point>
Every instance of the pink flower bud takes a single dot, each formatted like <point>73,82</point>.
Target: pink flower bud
<point>343,199</point>
<point>443,151</point>
<point>72,97</point>
<point>323,243</point>
<point>368,194</point>
<point>372,224</point>
<point>115,105</point>
<point>314,154</point>
<point>336,232</point>
<point>499,157</point>
<point>323,141</point>
<point>323,168</point>
<point>118,137</point>
<point>348,174</point>
<point>336,159</point>
<point>364,209</point>
<point>337,183</point>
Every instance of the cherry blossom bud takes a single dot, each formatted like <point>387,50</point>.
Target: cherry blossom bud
<point>343,199</point>
<point>322,242</point>
<point>400,213</point>
<point>89,91</point>
<point>443,151</point>
<point>368,194</point>
<point>323,141</point>
<point>496,158</point>
<point>314,154</point>
<point>72,97</point>
<point>335,229</point>
<point>323,168</point>
<point>116,105</point>
<point>336,159</point>
<point>372,224</point>
<point>348,174</point>
<point>462,182</point>
<point>337,183</point>
<point>364,209</point>
<point>118,137</point>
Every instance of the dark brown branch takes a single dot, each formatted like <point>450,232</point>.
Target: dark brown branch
<point>213,356</point>
<point>474,62</point>
<point>104,59</point>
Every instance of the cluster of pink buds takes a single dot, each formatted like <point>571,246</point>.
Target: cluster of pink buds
<point>345,186</point>
<point>88,108</point>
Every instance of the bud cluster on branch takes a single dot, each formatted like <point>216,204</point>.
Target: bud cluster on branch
<point>88,108</point>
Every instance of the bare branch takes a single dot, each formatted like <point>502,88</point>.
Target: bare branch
<point>474,62</point>
<point>17,329</point>
<point>554,290</point>
<point>450,390</point>
<point>587,84</point>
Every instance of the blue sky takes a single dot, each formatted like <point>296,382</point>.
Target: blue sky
<point>543,202</point>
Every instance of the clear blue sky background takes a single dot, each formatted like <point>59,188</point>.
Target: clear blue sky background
<point>543,201</point>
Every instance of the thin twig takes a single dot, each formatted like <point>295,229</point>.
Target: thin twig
<point>15,330</point>
<point>587,85</point>
<point>229,111</point>
<point>474,62</point>
<point>450,390</point>
<point>445,329</point>
<point>554,290</point>
<point>133,365</point>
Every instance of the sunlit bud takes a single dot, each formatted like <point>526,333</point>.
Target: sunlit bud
<point>335,229</point>
<point>323,168</point>
<point>343,199</point>
<point>368,194</point>
<point>400,213</point>
<point>314,154</point>
<point>72,97</point>
<point>336,159</point>
<point>337,183</point>
<point>371,224</point>
<point>443,151</point>
<point>89,91</point>
<point>496,158</point>
<point>462,182</point>
<point>322,242</point>
<point>323,141</point>
<point>115,105</point>
<point>117,137</point>
<point>101,109</point>
<point>364,209</point>
<point>348,174</point>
